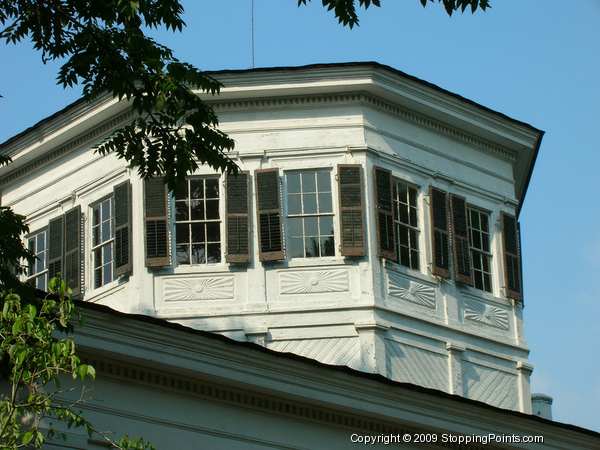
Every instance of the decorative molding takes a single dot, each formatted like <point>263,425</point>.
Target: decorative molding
<point>313,282</point>
<point>198,288</point>
<point>193,387</point>
<point>409,290</point>
<point>71,145</point>
<point>339,351</point>
<point>491,386</point>
<point>423,121</point>
<point>486,314</point>
<point>406,363</point>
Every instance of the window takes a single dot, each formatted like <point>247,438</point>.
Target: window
<point>103,242</point>
<point>407,224</point>
<point>198,222</point>
<point>38,269</point>
<point>479,232</point>
<point>310,214</point>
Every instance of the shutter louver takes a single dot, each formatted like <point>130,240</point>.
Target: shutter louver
<point>352,214</point>
<point>386,232</point>
<point>122,214</point>
<point>156,223</point>
<point>512,257</point>
<point>460,239</point>
<point>238,218</point>
<point>55,247</point>
<point>439,232</point>
<point>72,267</point>
<point>269,215</point>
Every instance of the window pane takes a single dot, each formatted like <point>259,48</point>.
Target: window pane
<point>325,204</point>
<point>182,233</point>
<point>311,226</point>
<point>327,248</point>
<point>308,182</point>
<point>105,233</point>
<point>198,254</point>
<point>403,213</point>
<point>96,215</point>
<point>324,181</point>
<point>182,210</point>
<point>212,188</point>
<point>212,209</point>
<point>107,274</point>
<point>294,204</point>
<point>197,210</point>
<point>296,249</point>
<point>41,242</point>
<point>198,232</point>
<point>295,227</point>
<point>312,247</point>
<point>310,203</point>
<point>183,254</point>
<point>213,232</point>
<point>293,183</point>
<point>214,253</point>
<point>326,225</point>
<point>105,210</point>
<point>196,189</point>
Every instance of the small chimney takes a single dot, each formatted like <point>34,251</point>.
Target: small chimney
<point>542,405</point>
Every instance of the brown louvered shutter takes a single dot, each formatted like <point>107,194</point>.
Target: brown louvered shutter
<point>55,247</point>
<point>269,215</point>
<point>156,222</point>
<point>238,218</point>
<point>122,204</point>
<point>512,257</point>
<point>386,232</point>
<point>352,214</point>
<point>72,267</point>
<point>439,232</point>
<point>460,239</point>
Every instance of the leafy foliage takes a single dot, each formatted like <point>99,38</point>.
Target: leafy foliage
<point>33,357</point>
<point>345,10</point>
<point>107,51</point>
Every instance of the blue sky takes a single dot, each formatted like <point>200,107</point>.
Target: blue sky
<point>537,61</point>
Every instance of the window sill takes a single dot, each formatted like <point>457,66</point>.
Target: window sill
<point>307,262</point>
<point>395,267</point>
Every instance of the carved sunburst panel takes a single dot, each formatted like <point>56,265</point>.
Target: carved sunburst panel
<point>405,289</point>
<point>198,288</point>
<point>486,314</point>
<point>313,282</point>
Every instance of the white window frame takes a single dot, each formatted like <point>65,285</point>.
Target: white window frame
<point>299,214</point>
<point>482,279</point>
<point>34,272</point>
<point>414,231</point>
<point>174,201</point>
<point>104,242</point>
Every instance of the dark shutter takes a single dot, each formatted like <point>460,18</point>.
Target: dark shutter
<point>156,222</point>
<point>386,232</point>
<point>439,232</point>
<point>460,240</point>
<point>72,266</point>
<point>122,204</point>
<point>238,218</point>
<point>352,214</point>
<point>269,215</point>
<point>512,257</point>
<point>55,247</point>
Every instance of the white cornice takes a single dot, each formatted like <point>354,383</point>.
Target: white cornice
<point>284,381</point>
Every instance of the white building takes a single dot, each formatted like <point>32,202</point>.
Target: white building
<point>373,226</point>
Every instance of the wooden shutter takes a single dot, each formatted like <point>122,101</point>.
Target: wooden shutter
<point>460,239</point>
<point>439,232</point>
<point>238,218</point>
<point>352,213</point>
<point>72,255</point>
<point>269,215</point>
<point>386,231</point>
<point>156,223</point>
<point>122,205</point>
<point>55,247</point>
<point>512,257</point>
